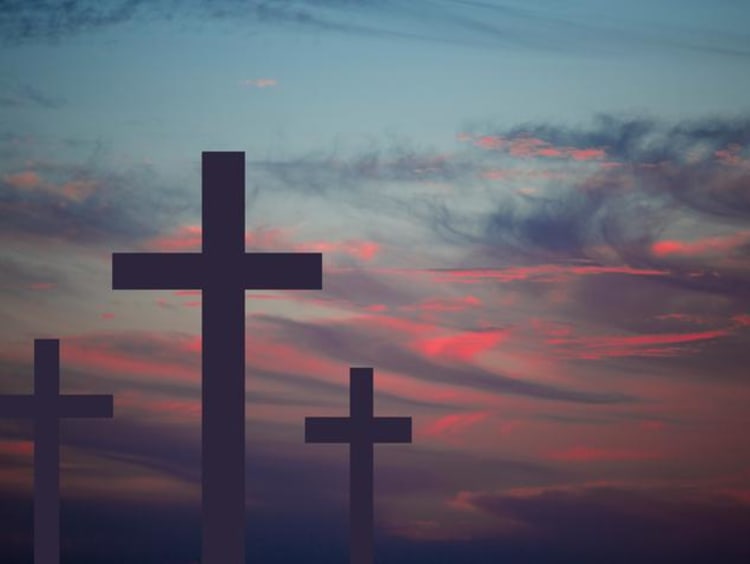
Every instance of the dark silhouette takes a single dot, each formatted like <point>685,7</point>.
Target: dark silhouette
<point>361,430</point>
<point>223,271</point>
<point>46,407</point>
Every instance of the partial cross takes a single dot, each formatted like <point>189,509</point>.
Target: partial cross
<point>46,407</point>
<point>361,430</point>
<point>223,271</point>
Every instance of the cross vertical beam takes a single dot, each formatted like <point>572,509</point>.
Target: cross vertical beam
<point>223,360</point>
<point>223,271</point>
<point>361,430</point>
<point>46,452</point>
<point>46,407</point>
<point>361,466</point>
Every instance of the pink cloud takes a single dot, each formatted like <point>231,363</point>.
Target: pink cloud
<point>590,454</point>
<point>24,179</point>
<point>462,347</point>
<point>652,425</point>
<point>190,238</point>
<point>550,328</point>
<point>527,147</point>
<point>530,147</point>
<point>542,273</point>
<point>389,324</point>
<point>684,317</point>
<point>489,142</point>
<point>661,344</point>
<point>133,402</point>
<point>78,190</point>
<point>463,501</point>
<point>362,250</point>
<point>103,355</point>
<point>185,238</point>
<point>731,155</point>
<point>187,293</point>
<point>498,174</point>
<point>448,304</point>
<point>261,82</point>
<point>73,190</point>
<point>549,152</point>
<point>706,246</point>
<point>453,424</point>
<point>587,154</point>
<point>268,239</point>
<point>17,448</point>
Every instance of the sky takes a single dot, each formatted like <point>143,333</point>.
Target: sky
<point>535,225</point>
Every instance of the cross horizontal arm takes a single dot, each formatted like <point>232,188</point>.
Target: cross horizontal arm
<point>157,271</point>
<point>16,406</point>
<point>391,430</point>
<point>86,406</point>
<point>192,271</point>
<point>282,271</point>
<point>328,430</point>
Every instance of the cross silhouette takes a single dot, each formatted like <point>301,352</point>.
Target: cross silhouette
<point>46,407</point>
<point>361,430</point>
<point>223,271</point>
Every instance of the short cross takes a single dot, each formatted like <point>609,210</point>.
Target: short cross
<point>361,430</point>
<point>46,407</point>
<point>223,271</point>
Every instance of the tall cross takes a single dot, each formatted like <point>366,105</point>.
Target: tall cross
<point>361,430</point>
<point>46,407</point>
<point>223,271</point>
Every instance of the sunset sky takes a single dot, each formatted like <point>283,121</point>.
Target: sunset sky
<point>535,225</point>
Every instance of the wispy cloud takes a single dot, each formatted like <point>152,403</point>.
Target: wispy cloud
<point>88,203</point>
<point>495,25</point>
<point>621,514</point>
<point>352,344</point>
<point>14,95</point>
<point>595,454</point>
<point>260,82</point>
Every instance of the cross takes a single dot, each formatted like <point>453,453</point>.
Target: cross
<point>46,407</point>
<point>223,271</point>
<point>361,430</point>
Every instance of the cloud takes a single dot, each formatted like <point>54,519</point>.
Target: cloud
<point>454,424</point>
<point>32,21</point>
<point>592,454</point>
<point>15,95</point>
<point>654,169</point>
<point>546,273</point>
<point>628,217</point>
<point>459,22</point>
<point>22,276</point>
<point>88,204</point>
<point>720,245</point>
<point>525,146</point>
<point>22,180</point>
<point>618,523</point>
<point>260,82</point>
<point>634,139</point>
<point>355,344</point>
<point>462,347</point>
<point>592,347</point>
<point>189,238</point>
<point>654,223</point>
